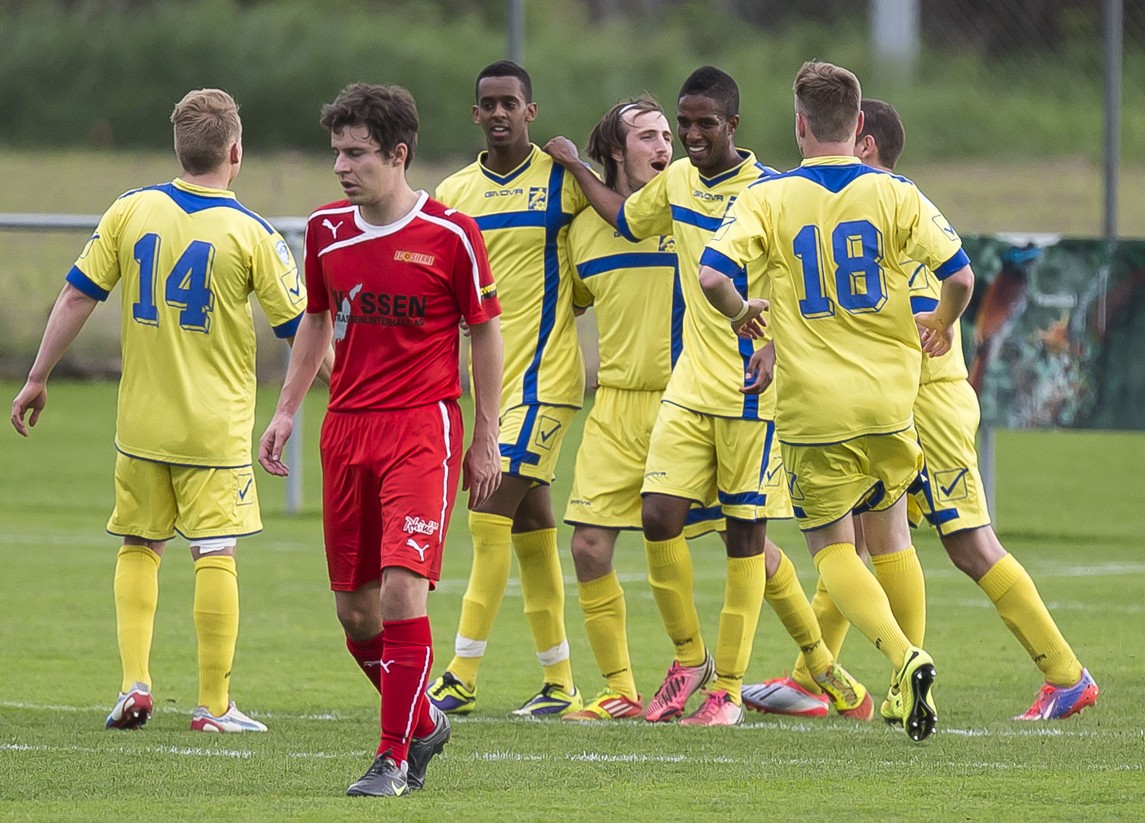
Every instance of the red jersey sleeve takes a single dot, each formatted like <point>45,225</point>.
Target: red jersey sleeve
<point>317,295</point>
<point>473,285</point>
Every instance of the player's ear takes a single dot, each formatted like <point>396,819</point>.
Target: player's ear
<point>733,123</point>
<point>476,115</point>
<point>399,154</point>
<point>530,112</point>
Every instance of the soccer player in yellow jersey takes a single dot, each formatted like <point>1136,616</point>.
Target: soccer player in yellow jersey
<point>708,436</point>
<point>634,289</point>
<point>847,353</point>
<point>188,255</point>
<point>523,204</point>
<point>946,416</point>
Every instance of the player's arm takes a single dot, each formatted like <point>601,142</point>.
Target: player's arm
<point>745,316</point>
<point>70,312</point>
<point>481,470</point>
<point>937,326</point>
<point>604,200</point>
<point>311,349</point>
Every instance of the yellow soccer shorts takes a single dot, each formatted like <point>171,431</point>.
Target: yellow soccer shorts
<point>946,415</point>
<point>691,453</point>
<point>868,473</point>
<point>530,440</point>
<point>610,466</point>
<point>155,500</point>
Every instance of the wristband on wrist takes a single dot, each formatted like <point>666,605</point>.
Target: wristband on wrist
<point>742,313</point>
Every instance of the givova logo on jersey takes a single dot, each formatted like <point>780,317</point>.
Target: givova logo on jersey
<point>667,243</point>
<point>538,198</point>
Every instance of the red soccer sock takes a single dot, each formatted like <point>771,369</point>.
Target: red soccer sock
<point>369,658</point>
<point>406,664</point>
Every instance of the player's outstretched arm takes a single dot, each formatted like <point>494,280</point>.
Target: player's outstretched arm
<point>604,200</point>
<point>311,349</point>
<point>937,327</point>
<point>745,316</point>
<point>71,311</point>
<point>481,469</point>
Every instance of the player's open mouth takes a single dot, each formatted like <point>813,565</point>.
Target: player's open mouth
<point>659,165</point>
<point>499,131</point>
<point>695,150</point>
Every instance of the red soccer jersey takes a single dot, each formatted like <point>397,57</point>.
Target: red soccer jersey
<point>398,293</point>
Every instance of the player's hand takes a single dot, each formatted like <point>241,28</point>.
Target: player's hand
<point>937,338</point>
<point>33,397</point>
<point>273,442</point>
<point>481,470</point>
<point>464,326</point>
<point>751,326</point>
<point>563,150</point>
<point>760,369</point>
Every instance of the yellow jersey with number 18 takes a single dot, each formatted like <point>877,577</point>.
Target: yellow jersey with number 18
<point>524,217</point>
<point>189,258</point>
<point>847,349</point>
<point>682,202</point>
<point>635,291</point>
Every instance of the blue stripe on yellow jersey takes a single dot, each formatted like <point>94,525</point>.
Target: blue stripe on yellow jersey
<point>524,218</point>
<point>924,290</point>
<point>189,258</point>
<point>634,289</point>
<point>847,349</point>
<point>682,202</point>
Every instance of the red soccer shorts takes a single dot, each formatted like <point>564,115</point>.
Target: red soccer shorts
<point>389,479</point>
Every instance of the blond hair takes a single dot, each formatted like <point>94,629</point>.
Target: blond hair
<point>206,124</point>
<point>828,96</point>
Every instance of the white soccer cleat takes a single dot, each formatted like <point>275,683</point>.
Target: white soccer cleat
<point>230,722</point>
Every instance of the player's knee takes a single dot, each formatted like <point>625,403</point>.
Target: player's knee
<point>974,552</point>
<point>212,547</point>
<point>660,519</point>
<point>359,624</point>
<point>592,556</point>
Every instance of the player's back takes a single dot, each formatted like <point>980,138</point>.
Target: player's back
<point>634,289</point>
<point>524,216</point>
<point>847,348</point>
<point>189,258</point>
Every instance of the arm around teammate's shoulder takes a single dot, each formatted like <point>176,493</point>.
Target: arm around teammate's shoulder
<point>604,200</point>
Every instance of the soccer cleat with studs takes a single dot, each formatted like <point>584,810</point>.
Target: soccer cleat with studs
<point>132,709</point>
<point>384,778</point>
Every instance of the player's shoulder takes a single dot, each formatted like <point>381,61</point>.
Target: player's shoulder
<point>447,216</point>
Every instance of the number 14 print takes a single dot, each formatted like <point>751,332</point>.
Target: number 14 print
<point>187,287</point>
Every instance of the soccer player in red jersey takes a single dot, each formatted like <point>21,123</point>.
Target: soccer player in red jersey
<point>391,274</point>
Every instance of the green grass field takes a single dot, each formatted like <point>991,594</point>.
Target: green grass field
<point>1070,508</point>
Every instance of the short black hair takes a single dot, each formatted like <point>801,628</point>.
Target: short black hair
<point>882,122</point>
<point>717,84</point>
<point>505,68</point>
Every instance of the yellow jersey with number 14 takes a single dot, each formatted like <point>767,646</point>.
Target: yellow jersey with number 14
<point>682,202</point>
<point>634,289</point>
<point>189,258</point>
<point>847,349</point>
<point>524,217</point>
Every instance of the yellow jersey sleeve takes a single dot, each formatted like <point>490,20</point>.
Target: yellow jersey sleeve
<point>647,212</point>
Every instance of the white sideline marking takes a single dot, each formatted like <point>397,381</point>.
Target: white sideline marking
<point>797,727</point>
<point>582,757</point>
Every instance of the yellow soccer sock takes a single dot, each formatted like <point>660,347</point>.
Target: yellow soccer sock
<point>136,598</point>
<point>743,598</point>
<point>670,575</point>
<point>606,623</point>
<point>900,575</point>
<point>216,612</point>
<point>862,600</point>
<point>1020,606</point>
<point>832,626</point>
<point>790,604</point>
<point>543,590</point>
<point>488,577</point>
